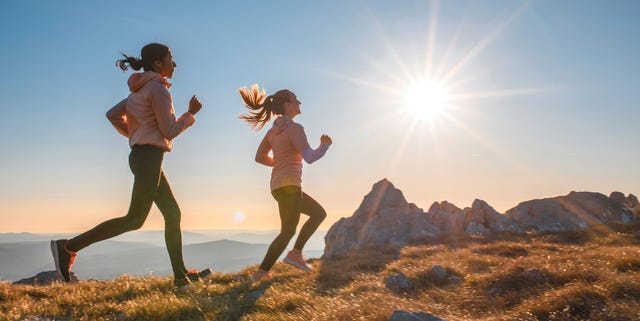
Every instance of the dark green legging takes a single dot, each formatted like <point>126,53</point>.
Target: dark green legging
<point>291,202</point>
<point>150,186</point>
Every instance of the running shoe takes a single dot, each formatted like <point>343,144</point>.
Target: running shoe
<point>182,283</point>
<point>195,276</point>
<point>260,275</point>
<point>63,259</point>
<point>295,258</point>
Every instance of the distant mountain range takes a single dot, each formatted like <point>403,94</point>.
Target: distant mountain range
<point>23,255</point>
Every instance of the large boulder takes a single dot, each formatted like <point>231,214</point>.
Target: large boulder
<point>630,202</point>
<point>573,211</point>
<point>481,218</point>
<point>384,218</point>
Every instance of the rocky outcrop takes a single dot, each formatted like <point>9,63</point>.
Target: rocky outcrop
<point>446,216</point>
<point>630,201</point>
<point>574,211</point>
<point>44,278</point>
<point>385,218</point>
<point>481,218</point>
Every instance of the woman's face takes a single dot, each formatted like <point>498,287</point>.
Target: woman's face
<point>166,66</point>
<point>292,106</point>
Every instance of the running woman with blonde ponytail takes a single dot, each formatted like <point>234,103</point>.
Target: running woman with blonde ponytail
<point>288,142</point>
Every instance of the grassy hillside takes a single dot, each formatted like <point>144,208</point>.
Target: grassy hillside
<point>583,275</point>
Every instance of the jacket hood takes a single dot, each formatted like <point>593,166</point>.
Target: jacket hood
<point>281,123</point>
<point>139,79</point>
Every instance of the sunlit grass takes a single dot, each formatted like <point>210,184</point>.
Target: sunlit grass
<point>590,278</point>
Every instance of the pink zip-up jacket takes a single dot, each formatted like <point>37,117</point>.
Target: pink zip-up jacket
<point>289,144</point>
<point>147,115</point>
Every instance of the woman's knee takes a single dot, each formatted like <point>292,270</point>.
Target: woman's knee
<point>320,215</point>
<point>172,218</point>
<point>134,222</point>
<point>288,233</point>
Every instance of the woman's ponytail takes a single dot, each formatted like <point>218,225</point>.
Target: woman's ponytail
<point>262,107</point>
<point>258,105</point>
<point>124,64</point>
<point>148,54</point>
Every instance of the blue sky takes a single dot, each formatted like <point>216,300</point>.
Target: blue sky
<point>569,122</point>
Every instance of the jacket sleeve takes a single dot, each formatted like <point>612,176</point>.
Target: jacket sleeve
<point>262,154</point>
<point>299,140</point>
<point>118,118</point>
<point>162,106</point>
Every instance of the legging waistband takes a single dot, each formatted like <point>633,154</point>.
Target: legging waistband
<point>146,147</point>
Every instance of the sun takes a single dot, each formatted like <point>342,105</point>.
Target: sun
<point>426,99</point>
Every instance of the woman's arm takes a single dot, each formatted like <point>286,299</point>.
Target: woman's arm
<point>299,139</point>
<point>262,155</point>
<point>311,155</point>
<point>162,106</point>
<point>118,118</point>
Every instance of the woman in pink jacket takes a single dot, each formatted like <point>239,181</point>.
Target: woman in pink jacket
<point>147,118</point>
<point>288,143</point>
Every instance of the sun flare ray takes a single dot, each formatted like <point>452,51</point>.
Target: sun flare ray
<point>364,82</point>
<point>484,141</point>
<point>501,93</point>
<point>482,44</point>
<point>387,44</point>
<point>431,38</point>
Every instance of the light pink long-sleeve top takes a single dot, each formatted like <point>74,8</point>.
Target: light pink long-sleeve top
<point>289,144</point>
<point>147,115</point>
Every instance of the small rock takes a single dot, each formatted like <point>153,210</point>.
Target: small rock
<point>532,274</point>
<point>254,295</point>
<point>455,279</point>
<point>439,272</point>
<point>44,278</point>
<point>398,283</point>
<point>401,315</point>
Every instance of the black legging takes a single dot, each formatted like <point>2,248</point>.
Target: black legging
<point>150,185</point>
<point>291,202</point>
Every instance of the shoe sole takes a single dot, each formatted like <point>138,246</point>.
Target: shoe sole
<point>54,252</point>
<point>206,277</point>
<point>202,278</point>
<point>294,263</point>
<point>184,287</point>
<point>253,280</point>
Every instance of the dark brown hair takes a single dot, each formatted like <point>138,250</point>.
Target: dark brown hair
<point>148,54</point>
<point>262,107</point>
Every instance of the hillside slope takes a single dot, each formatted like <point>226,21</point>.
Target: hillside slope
<point>575,275</point>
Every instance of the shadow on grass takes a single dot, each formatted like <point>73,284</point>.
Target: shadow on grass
<point>336,272</point>
<point>241,300</point>
<point>458,240</point>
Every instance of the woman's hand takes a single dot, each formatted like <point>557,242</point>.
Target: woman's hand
<point>194,105</point>
<point>325,139</point>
